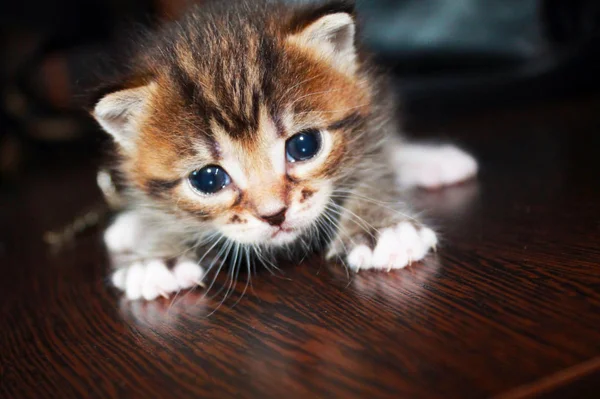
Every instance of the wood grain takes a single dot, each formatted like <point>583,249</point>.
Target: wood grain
<point>511,299</point>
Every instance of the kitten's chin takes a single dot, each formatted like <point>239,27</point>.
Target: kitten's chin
<point>283,237</point>
<point>270,239</point>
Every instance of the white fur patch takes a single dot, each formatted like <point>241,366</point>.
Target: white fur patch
<point>152,278</point>
<point>188,274</point>
<point>432,167</point>
<point>360,257</point>
<point>396,248</point>
<point>123,234</point>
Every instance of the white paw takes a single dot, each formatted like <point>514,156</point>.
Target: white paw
<point>433,167</point>
<point>188,274</point>
<point>152,278</point>
<point>123,234</point>
<point>396,248</point>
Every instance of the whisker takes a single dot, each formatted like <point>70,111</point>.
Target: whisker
<point>382,204</point>
<point>247,278</point>
<point>289,90</point>
<point>226,249</point>
<point>214,279</point>
<point>250,264</point>
<point>333,226</point>
<point>266,260</point>
<point>231,273</point>
<point>173,302</point>
<point>333,111</point>
<point>312,95</point>
<point>345,248</point>
<point>357,220</point>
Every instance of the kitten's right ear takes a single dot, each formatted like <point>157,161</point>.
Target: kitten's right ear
<point>118,114</point>
<point>329,31</point>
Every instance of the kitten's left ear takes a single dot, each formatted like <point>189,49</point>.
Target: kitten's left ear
<point>330,32</point>
<point>118,113</point>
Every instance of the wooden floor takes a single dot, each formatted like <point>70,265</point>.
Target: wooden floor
<point>508,308</point>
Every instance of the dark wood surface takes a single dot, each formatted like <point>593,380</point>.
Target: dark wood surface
<point>508,308</point>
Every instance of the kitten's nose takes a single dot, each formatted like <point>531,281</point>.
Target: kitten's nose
<point>275,219</point>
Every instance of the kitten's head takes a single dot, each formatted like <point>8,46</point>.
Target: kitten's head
<point>244,117</point>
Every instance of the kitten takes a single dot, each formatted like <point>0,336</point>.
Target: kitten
<point>258,127</point>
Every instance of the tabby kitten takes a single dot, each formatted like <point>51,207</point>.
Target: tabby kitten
<point>258,128</point>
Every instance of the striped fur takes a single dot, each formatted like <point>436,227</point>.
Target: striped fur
<point>227,85</point>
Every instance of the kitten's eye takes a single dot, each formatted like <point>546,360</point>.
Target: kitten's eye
<point>303,146</point>
<point>210,180</point>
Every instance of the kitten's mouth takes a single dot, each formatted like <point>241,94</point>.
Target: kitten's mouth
<point>282,232</point>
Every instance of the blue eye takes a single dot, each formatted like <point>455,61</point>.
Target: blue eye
<point>210,180</point>
<point>303,146</point>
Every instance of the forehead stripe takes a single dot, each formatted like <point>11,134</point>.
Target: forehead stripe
<point>350,121</point>
<point>158,187</point>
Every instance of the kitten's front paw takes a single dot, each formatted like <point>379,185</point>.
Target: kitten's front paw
<point>396,248</point>
<point>151,279</point>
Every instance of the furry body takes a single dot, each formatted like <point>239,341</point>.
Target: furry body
<point>231,86</point>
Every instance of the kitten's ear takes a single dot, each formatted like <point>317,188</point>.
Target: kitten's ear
<point>118,114</point>
<point>330,32</point>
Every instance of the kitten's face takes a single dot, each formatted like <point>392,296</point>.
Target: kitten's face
<point>265,186</point>
<point>255,145</point>
<point>268,190</point>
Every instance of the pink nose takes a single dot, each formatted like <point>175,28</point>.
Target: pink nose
<point>275,219</point>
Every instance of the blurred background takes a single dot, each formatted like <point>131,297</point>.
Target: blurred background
<point>452,57</point>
